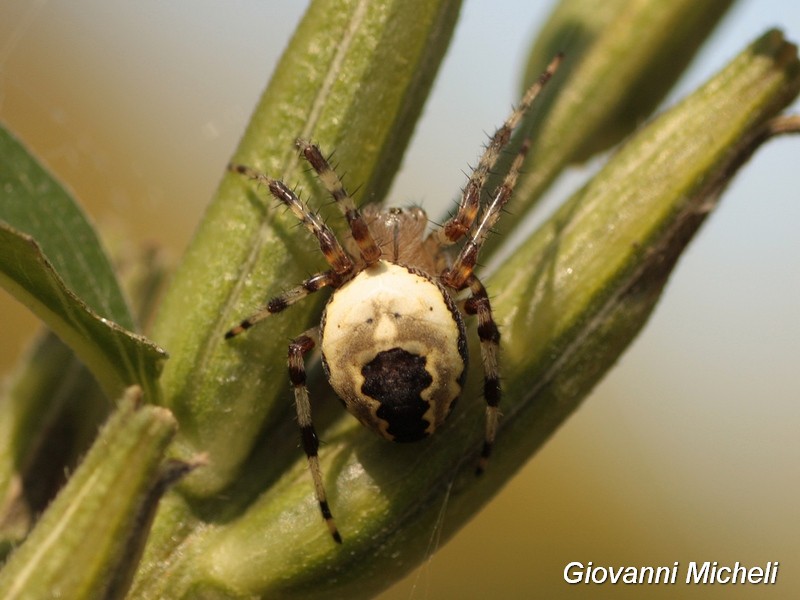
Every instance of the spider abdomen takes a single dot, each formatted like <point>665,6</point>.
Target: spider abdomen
<point>394,350</point>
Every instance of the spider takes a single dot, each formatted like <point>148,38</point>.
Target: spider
<point>392,336</point>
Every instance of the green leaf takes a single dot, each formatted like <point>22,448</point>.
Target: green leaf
<point>32,202</point>
<point>353,79</point>
<point>115,356</point>
<point>49,414</point>
<point>50,410</point>
<point>597,267</point>
<point>610,88</point>
<point>622,57</point>
<point>88,541</point>
<point>52,261</point>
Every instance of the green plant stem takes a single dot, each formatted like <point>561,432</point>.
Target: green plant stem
<point>569,302</point>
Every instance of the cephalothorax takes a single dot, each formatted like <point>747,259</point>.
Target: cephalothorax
<point>392,336</point>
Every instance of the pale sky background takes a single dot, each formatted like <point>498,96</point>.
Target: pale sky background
<point>688,450</point>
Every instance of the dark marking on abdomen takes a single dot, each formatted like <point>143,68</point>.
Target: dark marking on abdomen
<point>396,378</point>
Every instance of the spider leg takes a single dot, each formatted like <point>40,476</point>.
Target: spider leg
<point>285,300</point>
<point>298,348</point>
<point>458,274</point>
<point>459,225</point>
<point>337,258</point>
<point>489,335</point>
<point>370,252</point>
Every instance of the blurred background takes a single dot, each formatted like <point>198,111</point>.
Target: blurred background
<point>687,451</point>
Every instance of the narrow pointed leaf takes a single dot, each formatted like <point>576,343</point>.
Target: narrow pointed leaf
<point>622,57</point>
<point>49,414</point>
<point>52,261</point>
<point>87,542</point>
<point>50,411</point>
<point>33,203</point>
<point>115,356</point>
